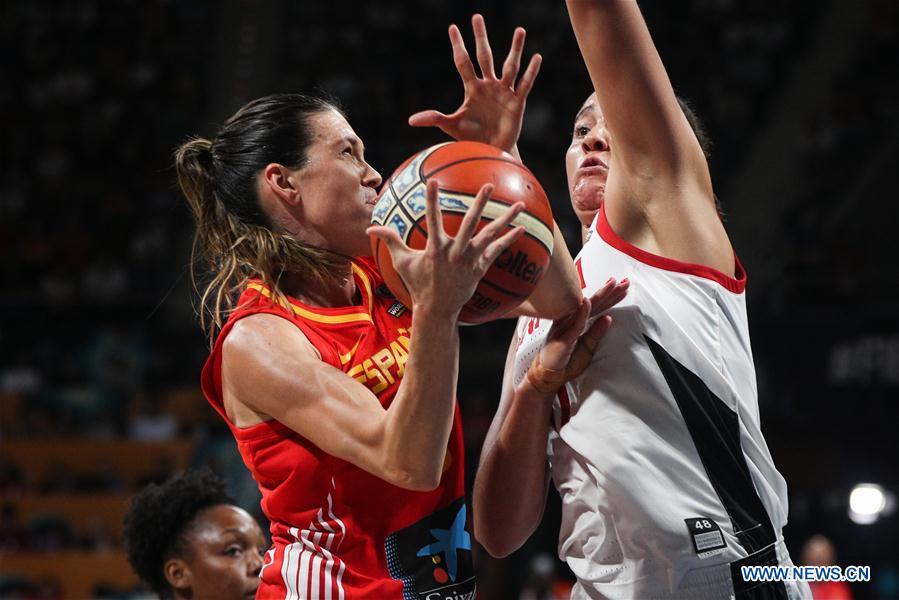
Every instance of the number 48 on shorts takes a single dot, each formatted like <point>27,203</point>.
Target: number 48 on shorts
<point>706,535</point>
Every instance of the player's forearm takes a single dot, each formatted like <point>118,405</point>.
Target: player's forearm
<point>636,96</point>
<point>510,487</point>
<point>558,293</point>
<point>420,419</point>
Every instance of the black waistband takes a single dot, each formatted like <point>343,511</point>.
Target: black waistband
<point>757,590</point>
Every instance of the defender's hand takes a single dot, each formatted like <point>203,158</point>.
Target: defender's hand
<point>569,349</point>
<point>493,108</point>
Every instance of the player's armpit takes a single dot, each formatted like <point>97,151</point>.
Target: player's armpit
<point>269,366</point>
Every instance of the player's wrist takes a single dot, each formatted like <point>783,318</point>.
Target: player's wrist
<point>435,315</point>
<point>543,379</point>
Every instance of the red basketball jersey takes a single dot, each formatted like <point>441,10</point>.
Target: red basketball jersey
<point>337,531</point>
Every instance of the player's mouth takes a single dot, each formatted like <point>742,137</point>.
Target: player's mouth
<point>371,196</point>
<point>592,165</point>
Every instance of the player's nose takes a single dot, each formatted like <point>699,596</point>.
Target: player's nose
<point>597,140</point>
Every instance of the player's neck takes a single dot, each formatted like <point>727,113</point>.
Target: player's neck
<point>334,292</point>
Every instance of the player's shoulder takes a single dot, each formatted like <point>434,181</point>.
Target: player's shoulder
<point>260,334</point>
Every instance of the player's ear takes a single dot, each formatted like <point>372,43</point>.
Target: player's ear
<point>178,574</point>
<point>282,182</point>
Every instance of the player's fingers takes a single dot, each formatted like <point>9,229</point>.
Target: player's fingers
<point>492,230</point>
<point>391,238</point>
<point>482,47</point>
<point>598,298</point>
<point>586,347</point>
<point>428,118</point>
<point>498,246</point>
<point>530,74</point>
<point>608,296</point>
<point>592,336</point>
<point>473,216</point>
<point>513,60</point>
<point>460,55</point>
<point>570,327</point>
<point>436,235</point>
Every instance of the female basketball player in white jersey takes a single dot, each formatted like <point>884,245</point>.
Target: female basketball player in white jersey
<point>667,484</point>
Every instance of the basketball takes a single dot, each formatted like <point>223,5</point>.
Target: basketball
<point>461,168</point>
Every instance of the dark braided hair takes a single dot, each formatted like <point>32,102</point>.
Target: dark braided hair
<point>159,518</point>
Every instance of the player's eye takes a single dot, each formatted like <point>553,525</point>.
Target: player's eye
<point>581,131</point>
<point>234,551</point>
<point>348,150</point>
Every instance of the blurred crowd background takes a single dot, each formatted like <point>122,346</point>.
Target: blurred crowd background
<point>100,351</point>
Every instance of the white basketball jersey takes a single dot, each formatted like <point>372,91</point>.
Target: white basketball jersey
<point>656,448</point>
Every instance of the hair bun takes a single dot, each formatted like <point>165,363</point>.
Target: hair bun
<point>204,153</point>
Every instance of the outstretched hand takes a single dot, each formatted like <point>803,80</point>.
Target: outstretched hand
<point>493,108</point>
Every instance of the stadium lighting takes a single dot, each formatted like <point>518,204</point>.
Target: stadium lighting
<point>867,501</point>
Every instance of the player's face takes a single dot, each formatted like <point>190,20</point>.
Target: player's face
<point>587,161</point>
<point>224,554</point>
<point>338,188</point>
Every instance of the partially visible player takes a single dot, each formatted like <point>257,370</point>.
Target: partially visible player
<point>667,485</point>
<point>187,540</point>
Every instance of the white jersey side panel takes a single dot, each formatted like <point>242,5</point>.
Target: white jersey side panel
<point>660,436</point>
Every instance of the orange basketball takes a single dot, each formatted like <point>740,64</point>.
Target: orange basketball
<point>461,168</point>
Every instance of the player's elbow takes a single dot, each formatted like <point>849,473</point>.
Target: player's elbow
<point>414,478</point>
<point>502,527</point>
<point>415,482</point>
<point>494,542</point>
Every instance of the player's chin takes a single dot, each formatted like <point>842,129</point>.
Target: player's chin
<point>588,196</point>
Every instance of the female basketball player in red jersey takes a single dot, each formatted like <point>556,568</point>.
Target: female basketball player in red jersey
<point>341,400</point>
<point>667,485</point>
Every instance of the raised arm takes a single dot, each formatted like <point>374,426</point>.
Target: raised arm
<point>492,112</point>
<point>510,486</point>
<point>659,191</point>
<point>271,369</point>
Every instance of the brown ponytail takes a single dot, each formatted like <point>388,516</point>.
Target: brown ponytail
<point>234,238</point>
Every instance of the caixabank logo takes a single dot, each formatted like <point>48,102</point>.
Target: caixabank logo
<point>433,556</point>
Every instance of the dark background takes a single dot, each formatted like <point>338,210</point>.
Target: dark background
<point>99,347</point>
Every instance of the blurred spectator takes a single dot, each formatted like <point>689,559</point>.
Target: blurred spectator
<point>12,479</point>
<point>151,423</point>
<point>13,533</point>
<point>47,588</point>
<point>21,376</point>
<point>58,478</point>
<point>50,533</point>
<point>819,551</point>
<point>162,469</point>
<point>543,581</point>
